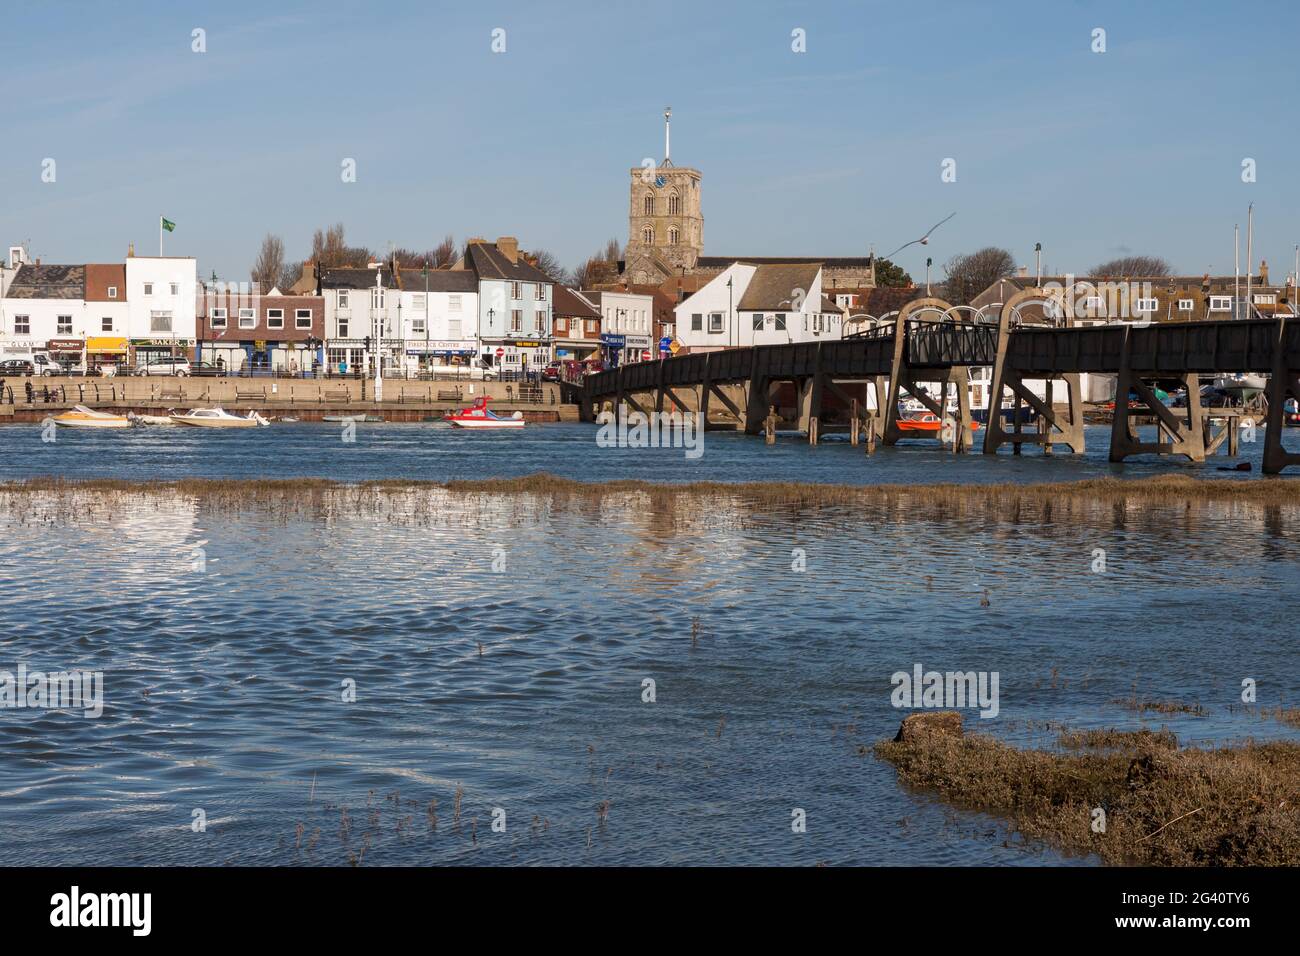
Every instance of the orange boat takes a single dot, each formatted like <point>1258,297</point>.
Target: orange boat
<point>925,424</point>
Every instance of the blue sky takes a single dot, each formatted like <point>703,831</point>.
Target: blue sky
<point>821,153</point>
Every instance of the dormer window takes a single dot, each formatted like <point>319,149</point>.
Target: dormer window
<point>112,292</point>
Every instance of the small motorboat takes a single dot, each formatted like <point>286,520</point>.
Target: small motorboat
<point>155,419</point>
<point>929,423</point>
<point>352,418</point>
<point>219,418</point>
<point>79,416</point>
<point>478,416</point>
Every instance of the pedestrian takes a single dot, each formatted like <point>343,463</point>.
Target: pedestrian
<point>27,387</point>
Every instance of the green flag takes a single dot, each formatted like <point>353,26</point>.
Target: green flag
<point>169,225</point>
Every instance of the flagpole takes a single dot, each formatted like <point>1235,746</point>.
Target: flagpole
<point>160,222</point>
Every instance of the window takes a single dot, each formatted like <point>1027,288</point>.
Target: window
<point>343,298</point>
<point>561,324</point>
<point>22,325</point>
<point>516,290</point>
<point>541,292</point>
<point>715,321</point>
<point>672,236</point>
<point>343,328</point>
<point>248,318</point>
<point>593,326</point>
<point>540,315</point>
<point>160,321</point>
<point>1094,304</point>
<point>647,234</point>
<point>453,303</point>
<point>697,322</point>
<point>218,318</point>
<point>780,321</point>
<point>1220,303</point>
<point>1265,299</point>
<point>112,292</point>
<point>648,205</point>
<point>148,288</point>
<point>377,298</point>
<point>674,205</point>
<point>106,324</point>
<point>758,322</point>
<point>668,329</point>
<point>176,288</point>
<point>302,319</point>
<point>1148,305</point>
<point>1184,305</point>
<point>275,318</point>
<point>417,324</point>
<point>516,320</point>
<point>63,325</point>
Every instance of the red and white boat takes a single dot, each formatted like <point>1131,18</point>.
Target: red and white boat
<point>478,416</point>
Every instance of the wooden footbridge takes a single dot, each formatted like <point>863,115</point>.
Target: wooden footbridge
<point>927,343</point>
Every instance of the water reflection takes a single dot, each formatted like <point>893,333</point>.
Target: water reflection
<point>500,643</point>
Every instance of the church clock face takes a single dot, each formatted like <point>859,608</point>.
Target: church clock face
<point>660,182</point>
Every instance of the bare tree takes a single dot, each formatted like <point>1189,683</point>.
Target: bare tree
<point>444,253</point>
<point>329,248</point>
<point>600,269</point>
<point>290,275</point>
<point>969,275</point>
<point>550,266</point>
<point>269,263</point>
<point>1134,266</point>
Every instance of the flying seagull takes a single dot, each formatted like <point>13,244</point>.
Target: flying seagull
<point>924,240</point>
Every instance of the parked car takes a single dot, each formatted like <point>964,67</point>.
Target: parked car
<point>206,368</point>
<point>17,367</point>
<point>171,365</point>
<point>47,366</point>
<point>591,366</point>
<point>566,369</point>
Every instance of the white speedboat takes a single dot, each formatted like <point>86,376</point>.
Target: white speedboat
<point>219,418</point>
<point>79,416</point>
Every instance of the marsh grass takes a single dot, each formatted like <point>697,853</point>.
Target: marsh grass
<point>1164,806</point>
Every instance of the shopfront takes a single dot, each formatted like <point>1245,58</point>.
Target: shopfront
<point>67,352</point>
<point>150,350</point>
<point>433,356</point>
<point>612,346</point>
<point>105,352</point>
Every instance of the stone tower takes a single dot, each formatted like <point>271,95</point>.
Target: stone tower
<point>665,228</point>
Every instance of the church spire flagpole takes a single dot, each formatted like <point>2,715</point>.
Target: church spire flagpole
<point>668,113</point>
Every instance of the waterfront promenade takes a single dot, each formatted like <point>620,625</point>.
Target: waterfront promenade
<point>304,399</point>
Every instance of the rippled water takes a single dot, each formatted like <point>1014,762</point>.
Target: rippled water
<point>433,452</point>
<point>225,635</point>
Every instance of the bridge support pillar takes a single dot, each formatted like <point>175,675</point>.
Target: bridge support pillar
<point>1283,384</point>
<point>1175,434</point>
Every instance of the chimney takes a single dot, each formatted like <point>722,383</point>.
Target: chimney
<point>130,251</point>
<point>1263,272</point>
<point>509,247</point>
<point>1024,272</point>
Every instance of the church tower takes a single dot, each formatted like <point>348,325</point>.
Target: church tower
<point>665,229</point>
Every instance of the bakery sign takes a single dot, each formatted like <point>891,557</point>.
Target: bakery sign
<point>64,345</point>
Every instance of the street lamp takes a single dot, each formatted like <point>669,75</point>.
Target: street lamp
<point>928,262</point>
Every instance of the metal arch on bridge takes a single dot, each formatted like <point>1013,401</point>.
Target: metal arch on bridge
<point>895,358</point>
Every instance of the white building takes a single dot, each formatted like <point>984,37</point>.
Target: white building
<point>626,326</point>
<point>160,296</point>
<point>514,306</point>
<point>439,313</point>
<point>362,305</point>
<point>43,305</point>
<point>768,304</point>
